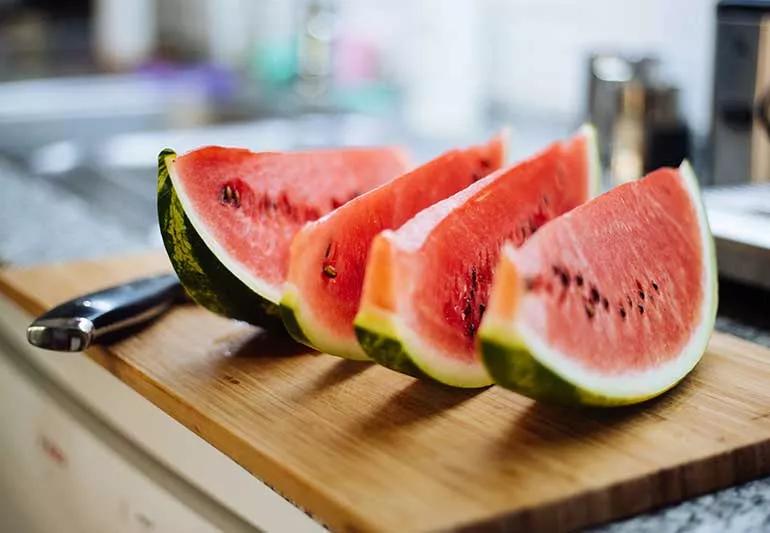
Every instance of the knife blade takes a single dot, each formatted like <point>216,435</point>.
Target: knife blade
<point>74,325</point>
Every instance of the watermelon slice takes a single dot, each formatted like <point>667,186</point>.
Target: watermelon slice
<point>328,256</point>
<point>427,284</point>
<point>610,304</point>
<point>227,216</point>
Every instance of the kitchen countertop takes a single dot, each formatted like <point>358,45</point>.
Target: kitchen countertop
<point>41,221</point>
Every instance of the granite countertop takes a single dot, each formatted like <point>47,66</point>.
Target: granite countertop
<point>41,221</point>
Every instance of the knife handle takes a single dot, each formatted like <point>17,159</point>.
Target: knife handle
<point>74,325</point>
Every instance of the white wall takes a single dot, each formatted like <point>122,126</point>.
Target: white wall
<point>539,49</point>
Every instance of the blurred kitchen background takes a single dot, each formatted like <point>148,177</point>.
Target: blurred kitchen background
<point>91,91</point>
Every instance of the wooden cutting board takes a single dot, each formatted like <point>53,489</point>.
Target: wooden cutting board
<point>363,448</point>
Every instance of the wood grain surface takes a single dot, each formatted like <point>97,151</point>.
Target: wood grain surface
<point>363,448</point>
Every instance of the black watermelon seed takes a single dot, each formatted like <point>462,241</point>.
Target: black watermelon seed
<point>655,286</point>
<point>230,196</point>
<point>641,309</point>
<point>579,280</point>
<point>622,313</point>
<point>641,295</point>
<point>329,271</point>
<point>590,311</point>
<point>564,278</point>
<point>605,303</point>
<point>594,294</point>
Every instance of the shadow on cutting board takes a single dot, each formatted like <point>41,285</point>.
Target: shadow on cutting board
<point>551,426</point>
<point>264,343</point>
<point>419,400</point>
<point>341,371</point>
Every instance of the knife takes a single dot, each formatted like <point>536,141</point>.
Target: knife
<point>74,325</point>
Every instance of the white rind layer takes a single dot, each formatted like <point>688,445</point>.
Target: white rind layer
<point>316,334</point>
<point>437,364</point>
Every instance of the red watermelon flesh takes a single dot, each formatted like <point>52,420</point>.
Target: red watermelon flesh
<point>328,256</point>
<point>247,206</point>
<point>601,283</point>
<point>427,284</point>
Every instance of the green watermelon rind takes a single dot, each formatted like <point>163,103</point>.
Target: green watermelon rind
<point>512,365</point>
<point>300,327</point>
<point>291,323</point>
<point>380,341</point>
<point>204,277</point>
<point>395,346</point>
<point>518,360</point>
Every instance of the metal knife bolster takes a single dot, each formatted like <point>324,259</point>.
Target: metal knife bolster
<point>74,325</point>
